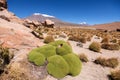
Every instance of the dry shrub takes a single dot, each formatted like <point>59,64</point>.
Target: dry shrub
<point>105,40</point>
<point>89,38</point>
<point>83,39</point>
<point>114,40</point>
<point>95,46</point>
<point>110,46</point>
<point>73,38</point>
<point>48,39</point>
<point>115,75</point>
<point>111,62</point>
<point>119,42</point>
<point>83,57</point>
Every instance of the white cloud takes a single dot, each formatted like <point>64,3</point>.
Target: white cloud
<point>45,15</point>
<point>83,23</point>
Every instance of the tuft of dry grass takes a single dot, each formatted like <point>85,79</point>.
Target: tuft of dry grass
<point>119,42</point>
<point>105,40</point>
<point>114,40</point>
<point>115,75</point>
<point>110,46</point>
<point>111,62</point>
<point>95,46</point>
<point>83,39</point>
<point>48,39</point>
<point>83,57</point>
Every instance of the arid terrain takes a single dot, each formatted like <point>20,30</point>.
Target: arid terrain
<point>98,47</point>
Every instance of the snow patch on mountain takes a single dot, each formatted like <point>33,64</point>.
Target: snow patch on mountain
<point>45,15</point>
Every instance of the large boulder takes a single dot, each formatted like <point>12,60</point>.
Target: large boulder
<point>3,5</point>
<point>48,23</point>
<point>31,24</point>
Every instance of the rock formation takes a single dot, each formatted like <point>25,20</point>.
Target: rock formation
<point>3,5</point>
<point>48,23</point>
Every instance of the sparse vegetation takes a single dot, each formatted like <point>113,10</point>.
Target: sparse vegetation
<point>83,57</point>
<point>111,62</point>
<point>110,46</point>
<point>5,57</point>
<point>48,39</point>
<point>119,42</point>
<point>83,39</point>
<point>114,40</point>
<point>105,40</point>
<point>115,75</point>
<point>95,46</point>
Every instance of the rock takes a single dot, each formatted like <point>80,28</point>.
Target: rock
<point>31,24</point>
<point>48,23</point>
<point>9,16</point>
<point>3,5</point>
<point>4,17</point>
<point>79,44</point>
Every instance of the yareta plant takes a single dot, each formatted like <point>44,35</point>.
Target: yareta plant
<point>63,49</point>
<point>74,63</point>
<point>60,58</point>
<point>47,50</point>
<point>36,57</point>
<point>57,66</point>
<point>57,43</point>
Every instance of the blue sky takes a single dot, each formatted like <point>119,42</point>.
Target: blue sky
<point>76,11</point>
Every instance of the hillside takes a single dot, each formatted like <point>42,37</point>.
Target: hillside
<point>42,17</point>
<point>108,26</point>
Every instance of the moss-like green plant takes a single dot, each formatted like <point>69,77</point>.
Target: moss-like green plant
<point>63,49</point>
<point>47,50</point>
<point>36,57</point>
<point>32,54</point>
<point>95,46</point>
<point>57,43</point>
<point>40,60</point>
<point>75,64</point>
<point>57,66</point>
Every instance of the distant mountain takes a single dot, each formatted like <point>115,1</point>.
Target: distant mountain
<point>42,17</point>
<point>108,26</point>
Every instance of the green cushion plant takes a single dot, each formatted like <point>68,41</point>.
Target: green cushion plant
<point>61,60</point>
<point>47,50</point>
<point>36,58</point>
<point>74,63</point>
<point>57,43</point>
<point>63,49</point>
<point>57,66</point>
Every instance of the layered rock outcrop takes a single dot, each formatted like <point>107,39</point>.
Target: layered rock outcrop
<point>48,23</point>
<point>3,5</point>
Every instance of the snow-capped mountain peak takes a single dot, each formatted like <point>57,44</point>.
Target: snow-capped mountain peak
<point>45,15</point>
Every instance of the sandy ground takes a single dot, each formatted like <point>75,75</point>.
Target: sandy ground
<point>18,35</point>
<point>90,70</point>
